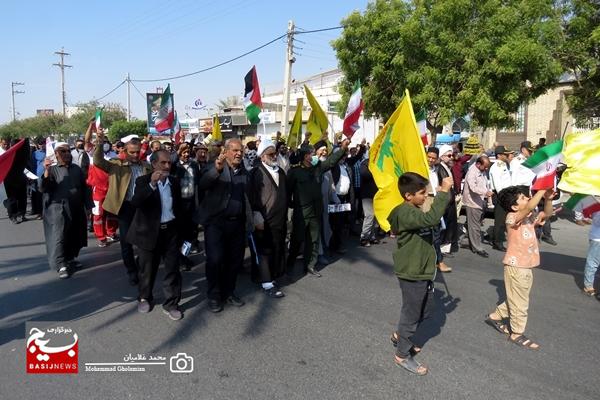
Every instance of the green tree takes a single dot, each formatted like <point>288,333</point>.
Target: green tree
<point>61,127</point>
<point>121,129</point>
<point>481,58</point>
<point>582,56</point>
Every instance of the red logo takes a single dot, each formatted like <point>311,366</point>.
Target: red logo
<point>52,351</point>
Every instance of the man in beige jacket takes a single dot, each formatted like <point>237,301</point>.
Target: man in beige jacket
<point>122,174</point>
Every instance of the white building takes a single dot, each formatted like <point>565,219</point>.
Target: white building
<point>324,87</point>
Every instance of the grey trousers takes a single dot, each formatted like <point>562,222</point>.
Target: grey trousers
<point>474,227</point>
<point>370,225</point>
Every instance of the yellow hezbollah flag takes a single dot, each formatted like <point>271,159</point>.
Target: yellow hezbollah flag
<point>295,135</point>
<point>317,120</point>
<point>216,129</point>
<point>397,149</point>
<point>581,153</point>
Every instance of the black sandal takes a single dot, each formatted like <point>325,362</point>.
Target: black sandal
<point>498,325</point>
<point>524,341</point>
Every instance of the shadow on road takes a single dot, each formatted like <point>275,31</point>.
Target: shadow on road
<point>564,264</point>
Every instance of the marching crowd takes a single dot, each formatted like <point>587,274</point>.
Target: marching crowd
<point>282,202</point>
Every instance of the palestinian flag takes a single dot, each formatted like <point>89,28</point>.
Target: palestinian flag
<point>252,101</point>
<point>98,122</point>
<point>543,163</point>
<point>421,119</point>
<point>16,155</point>
<point>166,114</point>
<point>176,130</point>
<point>583,203</point>
<point>355,106</point>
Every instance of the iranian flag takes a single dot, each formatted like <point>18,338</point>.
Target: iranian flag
<point>583,203</point>
<point>421,119</point>
<point>98,119</point>
<point>252,101</point>
<point>355,106</point>
<point>176,130</point>
<point>166,114</point>
<point>543,163</point>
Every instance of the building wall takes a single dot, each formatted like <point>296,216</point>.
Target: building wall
<point>548,115</point>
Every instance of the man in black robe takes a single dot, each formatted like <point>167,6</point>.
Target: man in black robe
<point>270,204</point>
<point>65,206</point>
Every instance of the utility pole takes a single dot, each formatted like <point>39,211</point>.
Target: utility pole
<point>128,79</point>
<point>62,67</point>
<point>287,78</point>
<point>13,91</point>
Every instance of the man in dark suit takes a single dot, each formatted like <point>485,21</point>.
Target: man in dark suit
<point>226,216</point>
<point>157,200</point>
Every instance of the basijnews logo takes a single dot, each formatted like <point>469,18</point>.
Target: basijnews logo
<point>51,349</point>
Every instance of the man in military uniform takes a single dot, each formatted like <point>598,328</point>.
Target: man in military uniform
<point>304,192</point>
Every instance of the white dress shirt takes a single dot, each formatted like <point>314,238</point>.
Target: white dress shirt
<point>521,175</point>
<point>343,186</point>
<point>500,177</point>
<point>166,201</point>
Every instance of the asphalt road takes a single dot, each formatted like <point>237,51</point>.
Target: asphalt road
<point>328,338</point>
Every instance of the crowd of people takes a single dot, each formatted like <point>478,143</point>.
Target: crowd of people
<point>155,198</point>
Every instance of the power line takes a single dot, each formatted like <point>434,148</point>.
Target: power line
<point>318,30</point>
<point>118,86</point>
<point>214,66</point>
<point>138,90</point>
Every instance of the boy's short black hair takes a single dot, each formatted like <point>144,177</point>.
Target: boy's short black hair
<point>411,182</point>
<point>508,196</point>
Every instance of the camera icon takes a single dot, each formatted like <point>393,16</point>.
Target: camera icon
<point>181,364</point>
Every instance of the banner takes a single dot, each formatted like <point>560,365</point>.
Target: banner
<point>153,108</point>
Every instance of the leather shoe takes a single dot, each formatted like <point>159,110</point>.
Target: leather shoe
<point>235,301</point>
<point>499,247</point>
<point>215,306</point>
<point>549,240</point>
<point>274,292</point>
<point>314,272</point>
<point>482,253</point>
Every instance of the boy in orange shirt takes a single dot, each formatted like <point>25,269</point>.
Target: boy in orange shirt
<point>522,254</point>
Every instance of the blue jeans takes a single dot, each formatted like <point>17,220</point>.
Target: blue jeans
<point>591,264</point>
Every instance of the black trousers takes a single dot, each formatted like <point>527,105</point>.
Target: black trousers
<point>499,222</point>
<point>36,202</point>
<point>450,234</point>
<point>149,260</point>
<point>338,222</point>
<point>125,216</point>
<point>225,243</point>
<point>16,198</point>
<point>417,305</point>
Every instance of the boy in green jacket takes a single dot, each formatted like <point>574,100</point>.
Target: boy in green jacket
<point>415,260</point>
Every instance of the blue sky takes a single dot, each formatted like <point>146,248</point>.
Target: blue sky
<point>155,39</point>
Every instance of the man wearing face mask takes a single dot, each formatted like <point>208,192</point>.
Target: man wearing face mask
<point>122,174</point>
<point>304,194</point>
<point>269,203</point>
<point>64,190</point>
